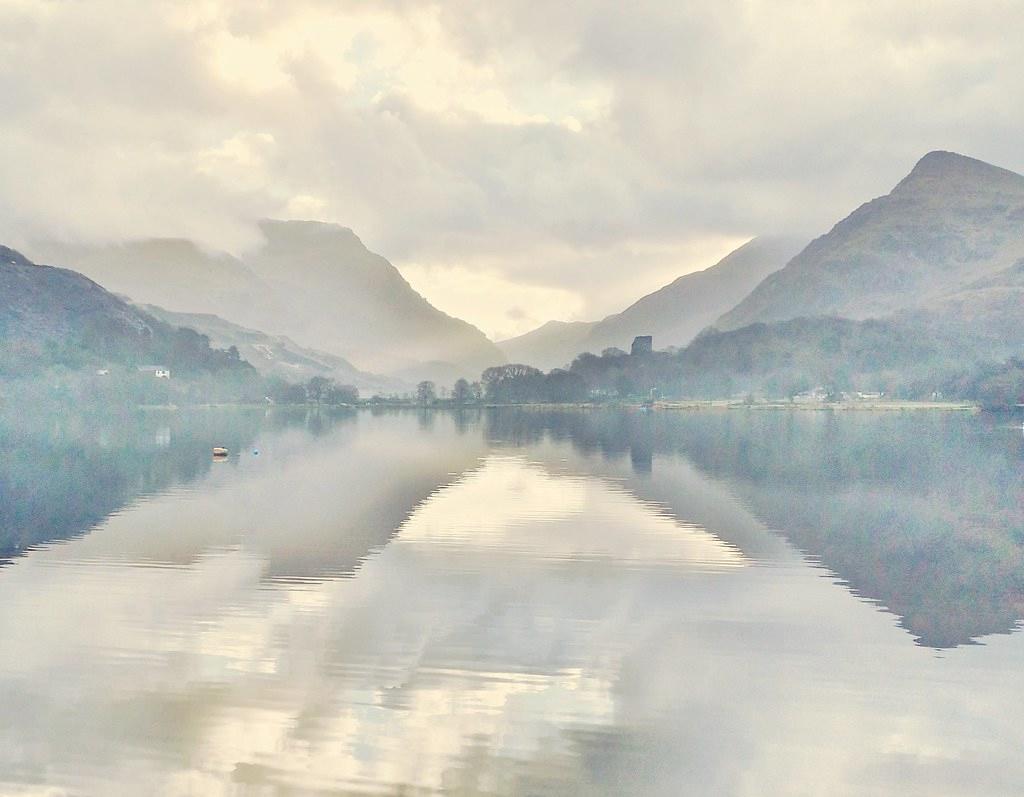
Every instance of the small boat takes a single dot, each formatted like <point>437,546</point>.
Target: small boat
<point>219,452</point>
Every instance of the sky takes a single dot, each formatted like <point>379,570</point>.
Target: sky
<point>518,161</point>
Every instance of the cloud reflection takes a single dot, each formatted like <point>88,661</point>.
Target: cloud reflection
<point>529,625</point>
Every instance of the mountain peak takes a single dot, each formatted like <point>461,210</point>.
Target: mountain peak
<point>954,168</point>
<point>944,159</point>
<point>952,221</point>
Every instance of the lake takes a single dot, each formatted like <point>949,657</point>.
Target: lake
<point>512,602</point>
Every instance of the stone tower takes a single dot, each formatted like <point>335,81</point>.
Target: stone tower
<point>642,344</point>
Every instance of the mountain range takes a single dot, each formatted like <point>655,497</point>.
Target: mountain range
<point>673,314</point>
<point>940,256</point>
<point>313,282</point>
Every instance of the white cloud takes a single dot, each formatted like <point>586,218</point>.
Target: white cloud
<point>500,306</point>
<point>304,206</point>
<point>238,161</point>
<point>467,133</point>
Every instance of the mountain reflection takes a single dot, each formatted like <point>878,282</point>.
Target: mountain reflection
<point>922,514</point>
<point>61,479</point>
<point>61,475</point>
<point>515,602</point>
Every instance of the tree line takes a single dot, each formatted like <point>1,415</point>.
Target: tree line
<point>781,361</point>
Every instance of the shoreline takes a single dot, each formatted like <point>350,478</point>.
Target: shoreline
<point>660,406</point>
<point>822,406</point>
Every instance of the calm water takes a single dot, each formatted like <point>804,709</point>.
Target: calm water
<point>731,603</point>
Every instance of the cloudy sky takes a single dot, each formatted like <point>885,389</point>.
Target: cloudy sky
<point>518,161</point>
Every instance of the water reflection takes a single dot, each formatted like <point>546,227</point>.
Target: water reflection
<point>923,514</point>
<point>522,603</point>
<point>61,475</point>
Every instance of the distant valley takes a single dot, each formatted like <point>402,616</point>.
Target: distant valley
<point>277,355</point>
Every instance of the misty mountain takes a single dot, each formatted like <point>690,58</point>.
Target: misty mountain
<point>348,300</point>
<point>946,241</point>
<point>549,346</point>
<point>676,313</point>
<point>673,314</point>
<point>276,355</point>
<point>841,353</point>
<point>53,316</point>
<point>315,283</point>
<point>899,357</point>
<point>991,308</point>
<point>173,273</point>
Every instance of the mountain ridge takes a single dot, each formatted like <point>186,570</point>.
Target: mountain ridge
<point>52,316</point>
<point>275,355</point>
<point>674,314</point>
<point>953,220</point>
<point>677,312</point>
<point>550,345</point>
<point>401,337</point>
<point>314,282</point>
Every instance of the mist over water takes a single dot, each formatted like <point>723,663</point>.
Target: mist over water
<point>512,602</point>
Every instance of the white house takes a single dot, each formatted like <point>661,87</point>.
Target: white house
<point>156,371</point>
